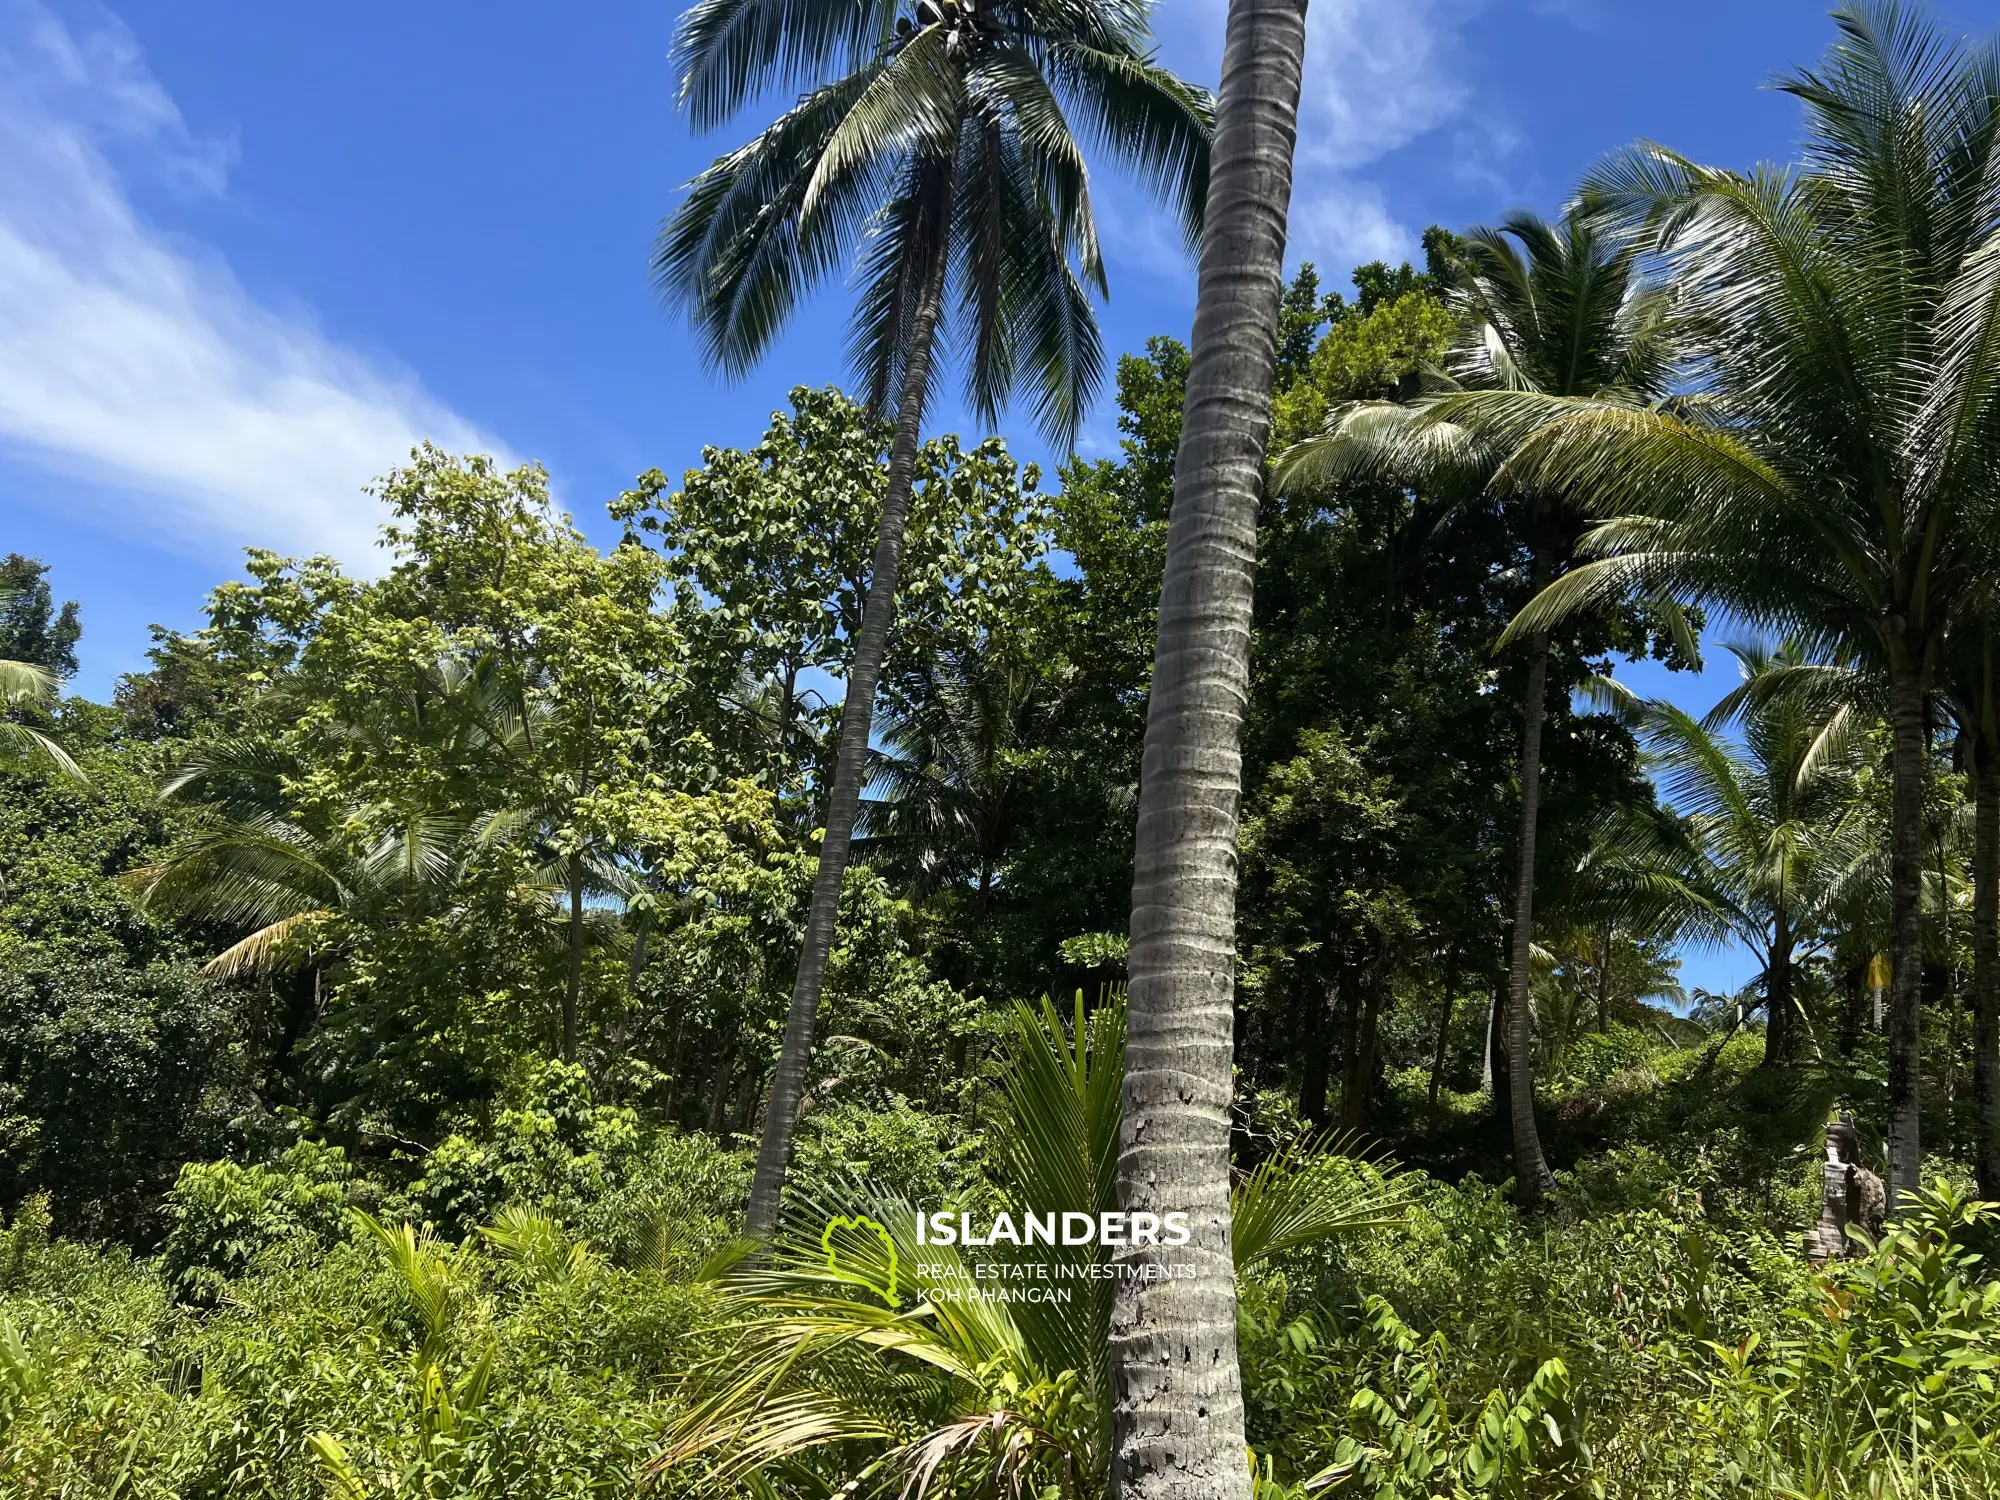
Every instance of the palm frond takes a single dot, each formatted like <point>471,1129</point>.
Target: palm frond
<point>1309,1192</point>
<point>727,52</point>
<point>737,253</point>
<point>1399,443</point>
<point>913,104</point>
<point>268,948</point>
<point>1157,125</point>
<point>23,682</point>
<point>19,742</point>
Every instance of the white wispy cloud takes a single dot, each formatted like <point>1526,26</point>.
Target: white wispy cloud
<point>1380,75</point>
<point>1343,221</point>
<point>134,359</point>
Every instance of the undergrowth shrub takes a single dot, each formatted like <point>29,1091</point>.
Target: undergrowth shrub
<point>435,1368</point>
<point>224,1216</point>
<point>922,1158</point>
<point>631,1190</point>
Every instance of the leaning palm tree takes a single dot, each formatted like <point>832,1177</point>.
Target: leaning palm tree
<point>1832,476</point>
<point>933,151</point>
<point>1560,311</point>
<point>887,1358</point>
<point>1178,1427</point>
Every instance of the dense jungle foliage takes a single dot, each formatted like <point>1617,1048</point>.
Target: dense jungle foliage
<point>393,975</point>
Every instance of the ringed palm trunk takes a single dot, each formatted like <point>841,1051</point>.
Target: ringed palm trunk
<point>857,715</point>
<point>1986,960</point>
<point>1909,751</point>
<point>1177,1412</point>
<point>1778,1003</point>
<point>1531,1168</point>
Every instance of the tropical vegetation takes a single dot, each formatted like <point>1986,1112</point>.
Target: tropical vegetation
<point>910,974</point>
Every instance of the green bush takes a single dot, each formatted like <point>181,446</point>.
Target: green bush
<point>591,1167</point>
<point>437,1370</point>
<point>555,1148</point>
<point>1890,1369</point>
<point>922,1158</point>
<point>1597,1057</point>
<point>225,1216</point>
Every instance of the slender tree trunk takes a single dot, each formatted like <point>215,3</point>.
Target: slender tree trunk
<point>573,986</point>
<point>1778,1003</point>
<point>1444,1029</point>
<point>1854,1005</point>
<point>787,706</point>
<point>635,966</point>
<point>1531,1169</point>
<point>1493,1074</point>
<point>674,1070</point>
<point>1986,961</point>
<point>1318,1058</point>
<point>718,1088</point>
<point>857,715</point>
<point>1604,984</point>
<point>1352,1043</point>
<point>748,1092</point>
<point>1909,755</point>
<point>1358,1089</point>
<point>1177,1413</point>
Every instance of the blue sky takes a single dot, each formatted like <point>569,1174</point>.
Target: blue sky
<point>250,253</point>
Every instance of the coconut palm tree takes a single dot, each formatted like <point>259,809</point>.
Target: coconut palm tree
<point>252,865</point>
<point>1559,310</point>
<point>26,685</point>
<point>955,779</point>
<point>252,862</point>
<point>1831,475</point>
<point>934,152</point>
<point>1626,905</point>
<point>1178,1425</point>
<point>861,1338</point>
<point>954,775</point>
<point>1777,833</point>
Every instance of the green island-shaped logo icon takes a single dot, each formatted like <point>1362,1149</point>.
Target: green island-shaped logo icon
<point>858,1223</point>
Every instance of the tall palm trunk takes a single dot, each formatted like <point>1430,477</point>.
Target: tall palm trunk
<point>1604,984</point>
<point>573,985</point>
<point>857,716</point>
<point>1493,1067</point>
<point>1531,1168</point>
<point>1177,1414</point>
<point>1986,960</point>
<point>1909,754</point>
<point>1778,1002</point>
